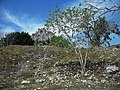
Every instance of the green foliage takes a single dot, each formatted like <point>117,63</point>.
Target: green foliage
<point>25,74</point>
<point>100,32</point>
<point>59,41</point>
<point>43,42</point>
<point>118,46</point>
<point>80,26</point>
<point>1,42</point>
<point>71,22</point>
<point>1,38</point>
<point>46,42</point>
<point>17,38</point>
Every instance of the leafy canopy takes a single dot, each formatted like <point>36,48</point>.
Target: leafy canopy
<point>60,41</point>
<point>71,22</point>
<point>18,38</point>
<point>81,27</point>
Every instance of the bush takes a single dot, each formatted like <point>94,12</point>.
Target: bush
<point>17,38</point>
<point>117,46</point>
<point>1,42</point>
<point>59,41</point>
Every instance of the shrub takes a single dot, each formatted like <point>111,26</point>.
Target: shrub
<point>59,41</point>
<point>17,38</point>
<point>117,46</point>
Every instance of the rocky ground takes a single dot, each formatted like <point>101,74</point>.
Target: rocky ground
<point>51,68</point>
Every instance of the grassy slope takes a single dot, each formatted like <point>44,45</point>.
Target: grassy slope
<point>12,58</point>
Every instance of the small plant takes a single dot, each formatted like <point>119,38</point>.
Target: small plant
<point>117,46</point>
<point>26,74</point>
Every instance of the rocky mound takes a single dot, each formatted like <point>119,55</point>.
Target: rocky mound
<point>51,68</point>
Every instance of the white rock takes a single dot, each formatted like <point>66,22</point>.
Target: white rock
<point>51,78</point>
<point>109,57</point>
<point>25,82</point>
<point>91,76</point>
<point>112,68</point>
<point>86,74</point>
<point>44,74</point>
<point>103,81</point>
<point>37,89</point>
<point>28,61</point>
<point>22,86</point>
<point>84,81</point>
<point>89,86</point>
<point>76,75</point>
<point>40,80</point>
<point>115,49</point>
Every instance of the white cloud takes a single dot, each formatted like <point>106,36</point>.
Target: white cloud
<point>5,30</point>
<point>71,3</point>
<point>8,30</point>
<point>24,22</point>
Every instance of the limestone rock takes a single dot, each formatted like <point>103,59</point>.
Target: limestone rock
<point>112,69</point>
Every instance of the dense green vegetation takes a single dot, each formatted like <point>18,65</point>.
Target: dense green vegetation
<point>101,31</point>
<point>17,38</point>
<point>59,41</point>
<point>47,42</point>
<point>1,42</point>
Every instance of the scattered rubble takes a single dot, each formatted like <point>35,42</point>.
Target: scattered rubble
<point>25,67</point>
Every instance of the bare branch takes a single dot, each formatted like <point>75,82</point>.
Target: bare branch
<point>114,6</point>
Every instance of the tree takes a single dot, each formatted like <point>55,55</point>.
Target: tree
<point>1,39</point>
<point>17,38</point>
<point>72,23</point>
<point>81,28</point>
<point>1,34</point>
<point>104,6</point>
<point>60,41</point>
<point>101,31</point>
<point>1,42</point>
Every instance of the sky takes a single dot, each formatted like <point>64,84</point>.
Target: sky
<point>29,15</point>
